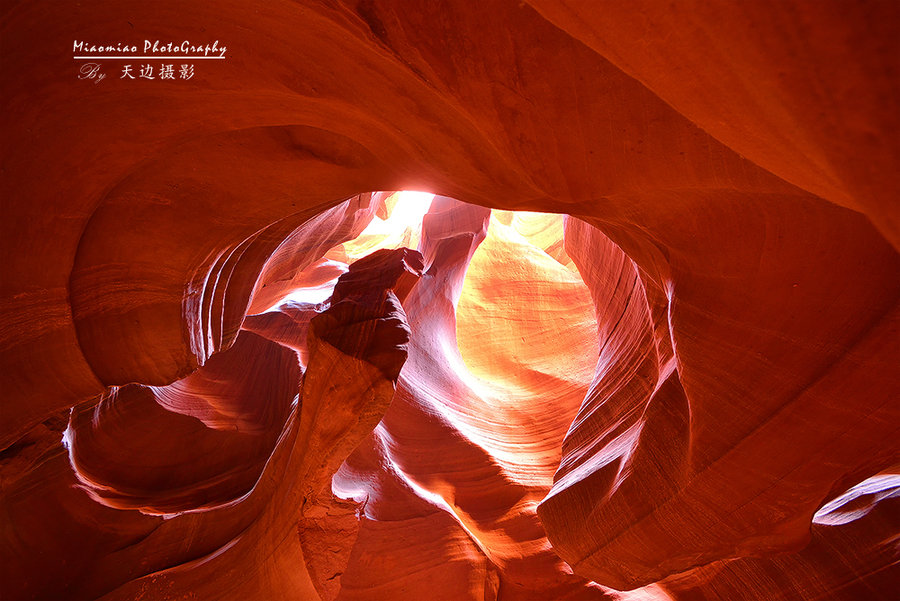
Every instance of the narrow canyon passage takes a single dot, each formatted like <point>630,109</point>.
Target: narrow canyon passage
<point>401,300</point>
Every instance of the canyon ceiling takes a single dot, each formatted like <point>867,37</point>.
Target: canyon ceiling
<point>679,382</point>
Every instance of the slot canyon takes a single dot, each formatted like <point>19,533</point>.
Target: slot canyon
<point>415,300</point>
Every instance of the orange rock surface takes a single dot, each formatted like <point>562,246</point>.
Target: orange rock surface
<point>663,367</point>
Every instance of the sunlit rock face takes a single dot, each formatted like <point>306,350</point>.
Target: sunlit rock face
<point>637,339</point>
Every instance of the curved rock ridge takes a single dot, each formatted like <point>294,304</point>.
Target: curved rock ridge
<point>219,466</point>
<point>742,74</point>
<point>458,464</point>
<point>684,389</point>
<point>295,139</point>
<point>454,492</point>
<point>130,449</point>
<point>722,443</point>
<point>848,556</point>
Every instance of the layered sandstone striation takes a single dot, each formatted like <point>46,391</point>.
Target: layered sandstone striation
<point>678,383</point>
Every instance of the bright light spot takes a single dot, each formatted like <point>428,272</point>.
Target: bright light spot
<point>411,206</point>
<point>405,211</point>
<point>403,226</point>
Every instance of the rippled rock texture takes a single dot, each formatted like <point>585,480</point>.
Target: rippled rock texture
<point>679,381</point>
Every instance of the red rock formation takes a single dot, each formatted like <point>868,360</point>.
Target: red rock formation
<point>687,391</point>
